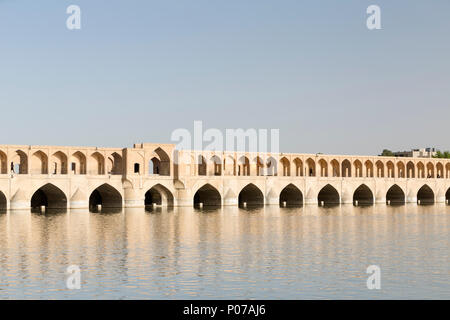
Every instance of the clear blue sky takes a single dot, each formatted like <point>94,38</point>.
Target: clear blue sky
<point>137,70</point>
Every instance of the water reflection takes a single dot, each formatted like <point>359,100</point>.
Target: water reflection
<point>264,252</point>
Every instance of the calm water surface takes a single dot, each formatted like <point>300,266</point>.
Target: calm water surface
<point>268,253</point>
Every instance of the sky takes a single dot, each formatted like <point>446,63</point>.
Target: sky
<point>138,70</point>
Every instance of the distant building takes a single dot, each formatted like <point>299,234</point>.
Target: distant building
<point>417,153</point>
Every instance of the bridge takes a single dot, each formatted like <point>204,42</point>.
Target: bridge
<point>149,174</point>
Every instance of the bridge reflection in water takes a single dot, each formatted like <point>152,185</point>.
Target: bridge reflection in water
<point>264,252</point>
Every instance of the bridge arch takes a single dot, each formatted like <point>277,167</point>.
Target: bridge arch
<point>298,167</point>
<point>251,195</point>
<point>410,170</point>
<point>420,170</point>
<point>395,195</point>
<point>323,166</point>
<point>49,196</point>
<point>346,169</point>
<point>447,196</point>
<point>329,196</point>
<point>58,163</point>
<point>39,163</point>
<point>3,202</point>
<point>310,167</point>
<point>159,195</point>
<point>286,165</point>
<point>439,170</point>
<point>292,196</point>
<point>430,170</point>
<point>215,165</point>
<point>106,196</point>
<point>380,169</point>
<point>208,196</point>
<point>363,195</point>
<point>358,168</point>
<point>78,163</point>
<point>97,164</point>
<point>3,163</point>
<point>335,167</point>
<point>425,195</point>
<point>369,168</point>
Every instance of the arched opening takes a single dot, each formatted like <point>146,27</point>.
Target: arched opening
<point>286,166</point>
<point>291,196</point>
<point>425,195</point>
<point>311,168</point>
<point>346,169</point>
<point>251,196</point>
<point>97,164</point>
<point>363,196</point>
<point>115,165</point>
<point>447,196</point>
<point>369,168</point>
<point>358,168</point>
<point>158,195</point>
<point>230,166</point>
<point>439,170</point>
<point>3,164</point>
<point>39,163</point>
<point>19,163</point>
<point>243,167</point>
<point>430,170</point>
<point>390,169</point>
<point>202,166</point>
<point>380,169</point>
<point>78,163</point>
<point>335,168</point>
<point>3,202</point>
<point>328,196</point>
<point>401,170</point>
<point>216,166</point>
<point>323,165</point>
<point>259,166</point>
<point>58,163</point>
<point>410,170</point>
<point>163,162</point>
<point>106,196</point>
<point>447,170</point>
<point>49,196</point>
<point>272,167</point>
<point>420,170</point>
<point>298,167</point>
<point>395,195</point>
<point>207,196</point>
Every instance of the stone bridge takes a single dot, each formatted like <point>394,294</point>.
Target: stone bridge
<point>158,175</point>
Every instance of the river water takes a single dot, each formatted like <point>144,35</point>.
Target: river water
<point>228,253</point>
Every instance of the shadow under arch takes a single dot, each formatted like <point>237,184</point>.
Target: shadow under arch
<point>106,196</point>
<point>425,195</point>
<point>208,196</point>
<point>49,196</point>
<point>363,195</point>
<point>292,196</point>
<point>447,196</point>
<point>329,196</point>
<point>158,195</point>
<point>251,196</point>
<point>395,196</point>
<point>3,202</point>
